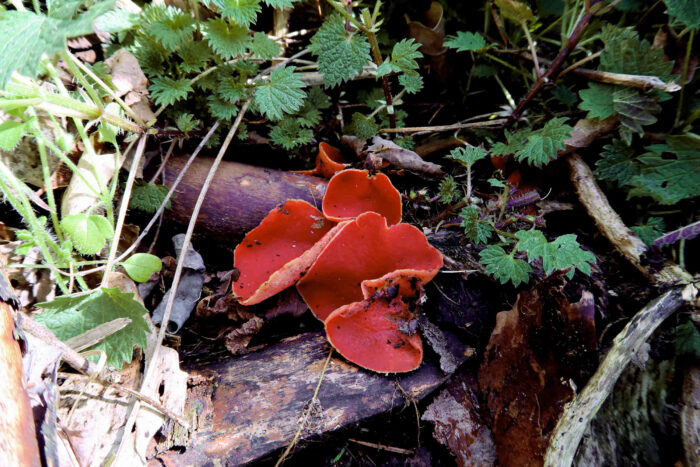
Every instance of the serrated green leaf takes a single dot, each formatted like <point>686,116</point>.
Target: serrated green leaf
<point>597,100</point>
<point>625,53</point>
<point>186,122</point>
<point>669,172</point>
<point>542,145</point>
<point>140,266</point>
<point>515,11</point>
<point>562,253</point>
<point>476,231</point>
<point>503,266</point>
<point>27,36</point>
<point>412,83</point>
<point>467,41</point>
<point>172,28</point>
<point>281,3</point>
<point>263,47</point>
<point>289,134</point>
<point>71,315</point>
<point>220,108</point>
<point>404,56</point>
<point>195,56</point>
<point>148,197</point>
<point>565,95</point>
<point>449,190</point>
<point>226,40</point>
<point>616,163</point>
<point>88,232</point>
<point>363,127</point>
<point>282,94</point>
<point>635,109</point>
<point>11,133</point>
<point>468,155</point>
<point>650,231</point>
<point>686,12</point>
<point>166,91</point>
<point>341,56</point>
<point>117,20</point>
<point>242,12</point>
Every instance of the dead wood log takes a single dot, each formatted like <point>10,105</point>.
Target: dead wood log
<point>18,444</point>
<point>239,197</point>
<point>250,406</point>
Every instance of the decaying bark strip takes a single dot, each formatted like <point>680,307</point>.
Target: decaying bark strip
<point>581,410</point>
<point>250,406</point>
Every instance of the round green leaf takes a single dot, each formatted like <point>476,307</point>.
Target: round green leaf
<point>88,232</point>
<point>140,266</point>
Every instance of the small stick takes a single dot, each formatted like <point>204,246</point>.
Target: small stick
<point>453,126</point>
<point>382,447</point>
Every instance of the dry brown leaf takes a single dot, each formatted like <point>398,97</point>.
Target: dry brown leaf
<point>402,158</point>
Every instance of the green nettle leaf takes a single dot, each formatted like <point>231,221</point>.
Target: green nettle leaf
<point>140,266</point>
<point>468,155</point>
<point>290,134</point>
<point>617,163</point>
<point>195,56</point>
<point>598,100</point>
<point>625,53</point>
<point>363,127</point>
<point>635,109</point>
<point>475,230</point>
<point>503,266</point>
<point>653,229</point>
<point>10,134</point>
<point>226,40</point>
<point>466,41</point>
<point>167,91</point>
<point>283,94</point>
<point>88,232</point>
<point>341,56</point>
<point>542,145</point>
<point>117,20</point>
<point>242,12</point>
<point>515,11</point>
<point>148,197</point>
<point>220,108</point>
<point>71,315</point>
<point>27,36</point>
<point>412,83</point>
<point>449,190</point>
<point>562,253</point>
<point>263,47</point>
<point>669,172</point>
<point>173,28</point>
<point>186,122</point>
<point>281,3</point>
<point>404,55</point>
<point>686,12</point>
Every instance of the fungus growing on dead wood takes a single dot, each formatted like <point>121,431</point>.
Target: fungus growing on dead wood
<point>364,249</point>
<point>272,256</point>
<point>353,192</point>
<point>328,162</point>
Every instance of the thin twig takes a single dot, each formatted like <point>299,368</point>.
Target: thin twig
<point>302,422</point>
<point>454,126</point>
<point>382,447</point>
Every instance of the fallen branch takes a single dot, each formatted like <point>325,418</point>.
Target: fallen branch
<point>583,408</point>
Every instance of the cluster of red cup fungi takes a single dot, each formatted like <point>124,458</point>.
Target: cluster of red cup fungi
<point>358,268</point>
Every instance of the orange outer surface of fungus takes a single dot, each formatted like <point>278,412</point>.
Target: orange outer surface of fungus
<point>273,256</point>
<point>364,249</point>
<point>353,192</point>
<point>328,162</point>
<point>368,333</point>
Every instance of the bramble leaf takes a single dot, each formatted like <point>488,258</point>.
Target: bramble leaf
<point>503,266</point>
<point>140,266</point>
<point>71,315</point>
<point>341,56</point>
<point>283,94</point>
<point>88,232</point>
<point>467,41</point>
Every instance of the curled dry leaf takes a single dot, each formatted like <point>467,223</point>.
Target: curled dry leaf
<point>401,157</point>
<point>131,83</point>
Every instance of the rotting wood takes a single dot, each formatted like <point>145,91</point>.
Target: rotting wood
<point>581,410</point>
<point>250,406</point>
<point>18,444</point>
<point>240,195</point>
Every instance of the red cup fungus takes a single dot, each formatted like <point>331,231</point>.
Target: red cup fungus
<point>363,277</point>
<point>328,161</point>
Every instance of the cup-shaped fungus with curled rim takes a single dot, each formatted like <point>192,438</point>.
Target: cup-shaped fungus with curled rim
<point>275,254</point>
<point>328,162</point>
<point>365,249</point>
<point>353,192</point>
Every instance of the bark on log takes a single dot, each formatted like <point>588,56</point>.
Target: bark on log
<point>240,195</point>
<point>18,445</point>
<point>250,406</point>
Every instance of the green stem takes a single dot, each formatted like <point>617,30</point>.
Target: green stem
<point>684,76</point>
<point>503,233</point>
<point>49,189</point>
<point>84,82</point>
